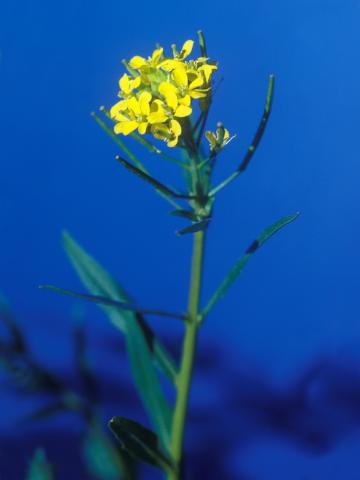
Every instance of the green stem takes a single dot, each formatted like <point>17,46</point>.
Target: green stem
<point>188,355</point>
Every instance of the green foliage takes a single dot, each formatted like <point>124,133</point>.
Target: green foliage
<point>113,303</point>
<point>140,442</point>
<point>39,468</point>
<point>195,227</point>
<point>141,344</point>
<point>102,458</point>
<point>239,265</point>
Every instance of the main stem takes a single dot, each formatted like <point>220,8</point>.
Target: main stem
<point>188,355</point>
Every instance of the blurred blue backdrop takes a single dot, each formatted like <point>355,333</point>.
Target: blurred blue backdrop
<point>295,310</point>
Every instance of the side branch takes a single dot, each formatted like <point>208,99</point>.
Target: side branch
<point>255,142</point>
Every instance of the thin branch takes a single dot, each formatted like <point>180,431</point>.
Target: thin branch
<point>114,303</point>
<point>255,142</point>
<point>117,140</point>
<point>155,183</point>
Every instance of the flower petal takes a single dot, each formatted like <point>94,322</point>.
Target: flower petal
<point>133,105</point>
<point>166,87</point>
<point>124,83</point>
<point>211,138</point>
<point>172,143</point>
<point>171,64</point>
<point>186,48</point>
<point>185,100</point>
<point>175,127</point>
<point>142,128</point>
<point>144,102</point>
<point>207,70</point>
<point>180,77</point>
<point>171,100</point>
<point>117,108</point>
<point>136,82</point>
<point>137,62</point>
<point>198,93</point>
<point>125,127</point>
<point>157,55</point>
<point>196,83</point>
<point>183,111</point>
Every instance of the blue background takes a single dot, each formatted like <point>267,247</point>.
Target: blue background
<point>295,310</point>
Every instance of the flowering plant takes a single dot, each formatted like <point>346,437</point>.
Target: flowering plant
<point>167,99</point>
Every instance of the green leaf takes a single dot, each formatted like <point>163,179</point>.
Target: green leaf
<point>142,346</point>
<point>118,142</point>
<point>113,303</point>
<point>17,338</point>
<point>160,187</point>
<point>195,227</point>
<point>242,261</point>
<point>102,458</point>
<point>190,215</point>
<point>140,442</point>
<point>39,468</point>
<point>255,141</point>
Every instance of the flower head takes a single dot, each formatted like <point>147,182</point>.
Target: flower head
<point>219,139</point>
<point>159,91</point>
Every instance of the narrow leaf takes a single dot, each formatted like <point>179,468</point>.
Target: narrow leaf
<point>17,338</point>
<point>185,214</point>
<point>195,227</point>
<point>143,347</point>
<point>118,141</point>
<point>140,442</point>
<point>256,140</point>
<point>113,303</point>
<point>127,152</point>
<point>39,468</point>
<point>242,261</point>
<point>151,180</point>
<point>102,458</point>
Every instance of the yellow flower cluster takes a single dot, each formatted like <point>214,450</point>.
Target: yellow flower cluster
<point>158,92</point>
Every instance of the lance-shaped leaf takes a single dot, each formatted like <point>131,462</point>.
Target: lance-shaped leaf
<point>127,152</point>
<point>190,215</point>
<point>139,442</point>
<point>143,348</point>
<point>256,140</point>
<point>195,227</point>
<point>118,141</point>
<point>102,457</point>
<point>113,303</point>
<point>17,339</point>
<point>242,261</point>
<point>39,468</point>
<point>151,180</point>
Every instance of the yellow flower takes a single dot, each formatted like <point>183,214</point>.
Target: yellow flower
<point>157,112</point>
<point>138,62</point>
<point>186,49</point>
<point>128,84</point>
<point>219,139</point>
<point>170,64</point>
<point>132,114</point>
<point>207,70</point>
<point>159,90</point>
<point>179,106</point>
<point>170,132</point>
<point>188,83</point>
